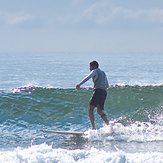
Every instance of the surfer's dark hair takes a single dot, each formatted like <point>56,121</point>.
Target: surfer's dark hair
<point>94,63</point>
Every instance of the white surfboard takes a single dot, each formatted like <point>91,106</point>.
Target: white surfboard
<point>63,132</point>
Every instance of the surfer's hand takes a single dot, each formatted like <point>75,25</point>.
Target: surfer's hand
<point>77,86</point>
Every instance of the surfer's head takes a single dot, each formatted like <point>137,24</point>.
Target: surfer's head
<point>93,65</point>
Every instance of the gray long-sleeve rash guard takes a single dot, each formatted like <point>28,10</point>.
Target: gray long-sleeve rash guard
<point>99,79</point>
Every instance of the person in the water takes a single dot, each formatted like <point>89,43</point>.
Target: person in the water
<point>100,91</point>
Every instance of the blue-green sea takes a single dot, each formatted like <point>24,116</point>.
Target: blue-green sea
<point>37,91</point>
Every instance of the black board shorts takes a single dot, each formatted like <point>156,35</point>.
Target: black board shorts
<point>98,98</point>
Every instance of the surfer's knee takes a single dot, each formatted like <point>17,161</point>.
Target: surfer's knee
<point>99,111</point>
<point>103,115</point>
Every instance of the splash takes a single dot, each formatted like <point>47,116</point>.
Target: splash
<point>45,153</point>
<point>136,132</point>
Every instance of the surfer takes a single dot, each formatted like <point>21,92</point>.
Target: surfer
<point>99,94</point>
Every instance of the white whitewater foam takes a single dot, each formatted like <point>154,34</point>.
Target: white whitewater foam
<point>137,132</point>
<point>45,153</point>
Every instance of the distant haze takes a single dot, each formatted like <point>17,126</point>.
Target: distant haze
<point>81,26</point>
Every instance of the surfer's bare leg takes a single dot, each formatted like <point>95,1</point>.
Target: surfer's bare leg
<point>103,115</point>
<point>91,116</point>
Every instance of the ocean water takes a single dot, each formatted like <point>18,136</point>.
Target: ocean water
<point>37,91</point>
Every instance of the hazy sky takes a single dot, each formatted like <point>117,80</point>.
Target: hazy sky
<point>116,26</point>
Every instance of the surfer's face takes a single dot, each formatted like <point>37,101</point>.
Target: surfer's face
<point>92,67</point>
